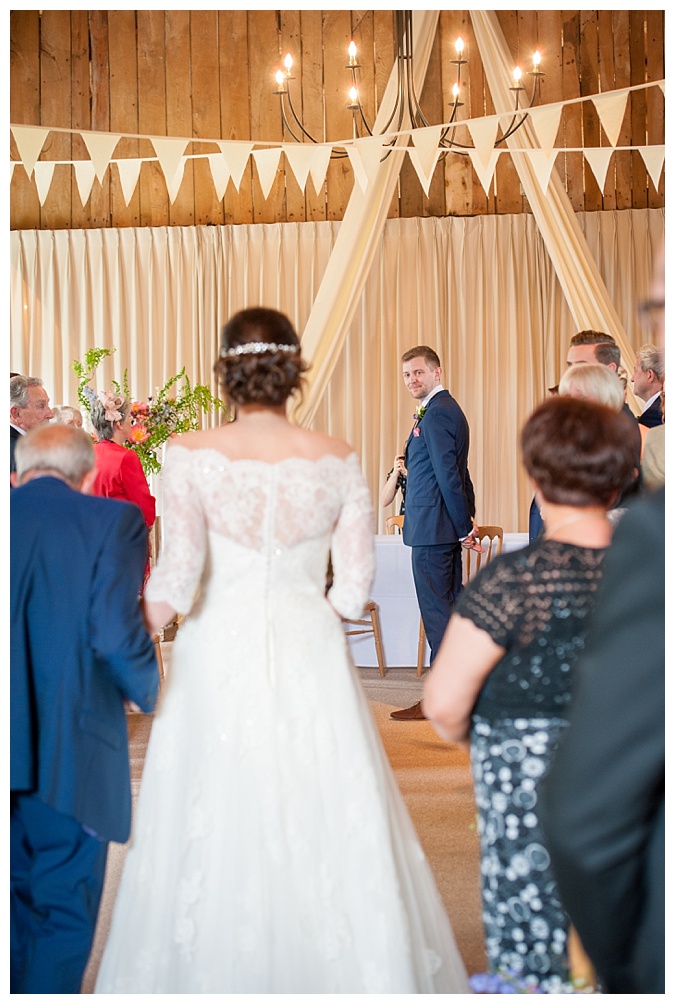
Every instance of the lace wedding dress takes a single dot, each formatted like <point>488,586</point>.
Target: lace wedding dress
<point>271,849</point>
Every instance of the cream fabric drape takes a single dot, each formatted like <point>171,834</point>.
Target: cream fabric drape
<point>482,291</point>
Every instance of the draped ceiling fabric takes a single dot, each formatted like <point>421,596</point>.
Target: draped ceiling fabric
<point>482,291</point>
<point>584,289</point>
<point>324,335</point>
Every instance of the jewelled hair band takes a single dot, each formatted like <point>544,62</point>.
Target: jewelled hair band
<point>255,348</point>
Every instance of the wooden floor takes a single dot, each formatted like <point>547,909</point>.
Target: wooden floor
<point>435,780</point>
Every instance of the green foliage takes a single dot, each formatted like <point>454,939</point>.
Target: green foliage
<point>176,408</point>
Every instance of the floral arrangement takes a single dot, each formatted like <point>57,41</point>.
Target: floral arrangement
<point>174,409</point>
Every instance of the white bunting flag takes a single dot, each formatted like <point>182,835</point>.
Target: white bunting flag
<point>484,133</point>
<point>12,165</point>
<point>29,141</point>
<point>129,171</point>
<point>220,174</point>
<point>267,162</point>
<point>484,173</point>
<point>546,121</point>
<point>299,157</point>
<point>371,150</point>
<point>653,157</point>
<point>44,172</point>
<point>357,166</point>
<point>319,168</point>
<point>598,157</point>
<point>236,157</point>
<point>611,109</point>
<point>84,176</point>
<point>170,154</point>
<point>425,142</point>
<point>543,165</point>
<point>101,146</point>
<point>424,178</point>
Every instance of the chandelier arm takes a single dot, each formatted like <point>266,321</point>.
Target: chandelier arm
<point>285,124</point>
<point>297,120</point>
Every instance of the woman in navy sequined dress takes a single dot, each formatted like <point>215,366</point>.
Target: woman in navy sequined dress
<point>504,672</point>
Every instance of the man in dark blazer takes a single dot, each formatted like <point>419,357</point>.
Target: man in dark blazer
<point>440,503</point>
<point>78,650</point>
<point>28,408</point>
<point>648,378</point>
<point>603,803</point>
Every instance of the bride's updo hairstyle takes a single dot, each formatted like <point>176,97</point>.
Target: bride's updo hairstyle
<point>260,360</point>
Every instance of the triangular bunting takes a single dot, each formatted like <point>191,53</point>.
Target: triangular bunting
<point>84,176</point>
<point>12,165</point>
<point>371,153</point>
<point>546,121</point>
<point>598,157</point>
<point>542,164</point>
<point>236,157</point>
<point>484,133</point>
<point>267,162</point>
<point>170,153</point>
<point>299,157</point>
<point>29,142</point>
<point>653,157</point>
<point>484,173</point>
<point>129,171</point>
<point>611,109</point>
<point>44,172</point>
<point>220,174</point>
<point>101,146</point>
<point>662,85</point>
<point>357,167</point>
<point>319,168</point>
<point>425,142</point>
<point>425,178</point>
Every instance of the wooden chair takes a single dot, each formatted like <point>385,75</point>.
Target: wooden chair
<point>369,623</point>
<point>394,524</point>
<point>492,539</point>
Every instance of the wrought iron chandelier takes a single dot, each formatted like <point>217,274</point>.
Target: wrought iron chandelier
<point>407,113</point>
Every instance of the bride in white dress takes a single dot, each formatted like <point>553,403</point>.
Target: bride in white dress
<point>271,849</point>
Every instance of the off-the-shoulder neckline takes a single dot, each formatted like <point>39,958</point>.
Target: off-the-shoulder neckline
<point>264,463</point>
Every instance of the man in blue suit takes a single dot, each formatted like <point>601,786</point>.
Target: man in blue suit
<point>78,651</point>
<point>440,503</point>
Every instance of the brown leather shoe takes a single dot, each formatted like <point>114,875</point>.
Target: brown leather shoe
<point>413,714</point>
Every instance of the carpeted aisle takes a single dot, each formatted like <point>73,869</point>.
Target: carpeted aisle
<point>435,780</point>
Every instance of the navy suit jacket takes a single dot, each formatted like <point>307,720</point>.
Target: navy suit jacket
<point>652,416</point>
<point>602,805</point>
<point>78,648</point>
<point>439,501</point>
<point>14,436</point>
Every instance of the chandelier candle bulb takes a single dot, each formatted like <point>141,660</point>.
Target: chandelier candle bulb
<point>459,46</point>
<point>536,60</point>
<point>352,54</point>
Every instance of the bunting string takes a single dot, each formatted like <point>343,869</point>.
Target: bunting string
<point>305,160</point>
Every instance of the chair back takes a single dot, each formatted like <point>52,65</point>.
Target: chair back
<point>492,539</point>
<point>394,524</point>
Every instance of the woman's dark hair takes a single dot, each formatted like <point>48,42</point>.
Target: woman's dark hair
<point>264,376</point>
<point>578,452</point>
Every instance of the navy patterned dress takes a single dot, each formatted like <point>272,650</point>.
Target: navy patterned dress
<point>535,603</point>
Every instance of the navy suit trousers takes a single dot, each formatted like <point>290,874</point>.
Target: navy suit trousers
<point>57,872</point>
<point>437,572</point>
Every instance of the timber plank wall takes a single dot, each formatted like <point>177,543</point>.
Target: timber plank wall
<point>210,74</point>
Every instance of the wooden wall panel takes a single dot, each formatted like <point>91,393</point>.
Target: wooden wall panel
<point>208,75</point>
<point>235,113</point>
<point>123,110</point>
<point>154,200</point>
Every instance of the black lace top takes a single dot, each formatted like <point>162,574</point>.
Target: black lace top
<point>536,604</point>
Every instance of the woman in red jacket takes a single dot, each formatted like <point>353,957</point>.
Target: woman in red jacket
<point>119,472</point>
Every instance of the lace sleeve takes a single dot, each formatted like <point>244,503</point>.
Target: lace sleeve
<point>353,545</point>
<point>177,574</point>
<point>494,601</point>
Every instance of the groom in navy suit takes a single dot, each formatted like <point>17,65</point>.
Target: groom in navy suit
<point>440,503</point>
<point>78,651</point>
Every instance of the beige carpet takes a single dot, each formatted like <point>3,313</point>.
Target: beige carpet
<point>435,780</point>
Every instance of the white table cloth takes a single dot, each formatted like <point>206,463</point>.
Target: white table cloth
<point>394,593</point>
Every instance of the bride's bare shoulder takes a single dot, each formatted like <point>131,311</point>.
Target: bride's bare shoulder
<point>323,444</point>
<point>200,439</point>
